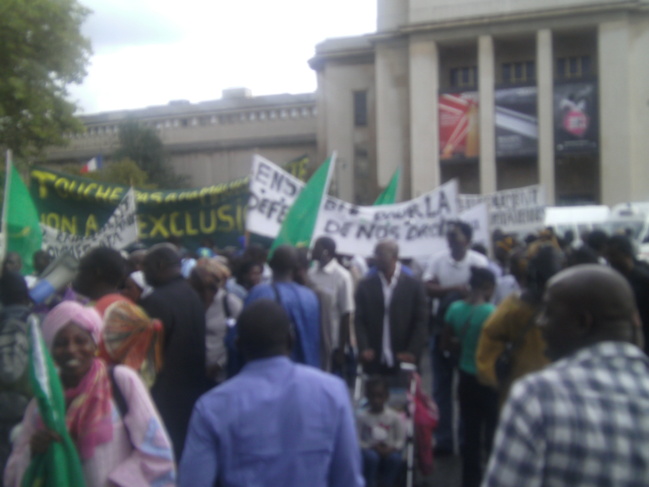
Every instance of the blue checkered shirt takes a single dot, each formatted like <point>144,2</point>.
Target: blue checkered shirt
<point>583,421</point>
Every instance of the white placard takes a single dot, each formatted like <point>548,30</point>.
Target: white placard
<point>118,232</point>
<point>272,192</point>
<point>418,225</point>
<point>478,218</point>
<point>520,210</point>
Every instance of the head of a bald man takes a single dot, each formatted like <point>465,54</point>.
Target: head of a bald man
<point>584,305</point>
<point>386,254</point>
<point>264,330</point>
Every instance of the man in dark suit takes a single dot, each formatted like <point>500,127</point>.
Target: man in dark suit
<point>391,314</point>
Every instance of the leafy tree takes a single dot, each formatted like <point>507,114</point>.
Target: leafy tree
<point>142,145</point>
<point>42,51</point>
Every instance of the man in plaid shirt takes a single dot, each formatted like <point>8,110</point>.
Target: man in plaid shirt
<point>584,420</point>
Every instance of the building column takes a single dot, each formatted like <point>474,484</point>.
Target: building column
<point>545,104</point>
<point>424,115</point>
<point>486,76</point>
<point>392,107</point>
<point>614,73</point>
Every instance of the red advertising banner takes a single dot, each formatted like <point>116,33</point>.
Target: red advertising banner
<point>459,129</point>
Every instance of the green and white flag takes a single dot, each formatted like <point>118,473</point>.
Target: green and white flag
<point>297,227</point>
<point>60,464</point>
<point>389,194</point>
<point>20,224</point>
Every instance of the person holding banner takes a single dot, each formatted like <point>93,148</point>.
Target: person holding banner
<point>390,314</point>
<point>115,427</point>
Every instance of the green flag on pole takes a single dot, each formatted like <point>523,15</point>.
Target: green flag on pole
<point>297,227</point>
<point>60,464</point>
<point>389,194</point>
<point>20,219</point>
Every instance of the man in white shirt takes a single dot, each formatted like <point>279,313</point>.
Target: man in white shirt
<point>447,279</point>
<point>332,278</point>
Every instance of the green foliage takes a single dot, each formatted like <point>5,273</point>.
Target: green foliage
<point>42,51</point>
<point>142,145</point>
<point>124,172</point>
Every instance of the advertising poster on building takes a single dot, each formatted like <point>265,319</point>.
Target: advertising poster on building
<point>459,127</point>
<point>576,127</point>
<point>517,130</point>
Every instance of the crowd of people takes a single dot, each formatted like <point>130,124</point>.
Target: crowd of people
<point>234,368</point>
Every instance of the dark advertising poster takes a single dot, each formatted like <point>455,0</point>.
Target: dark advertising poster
<point>575,118</point>
<point>459,128</point>
<point>517,128</point>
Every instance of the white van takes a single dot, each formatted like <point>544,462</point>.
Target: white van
<point>632,219</point>
<point>579,219</point>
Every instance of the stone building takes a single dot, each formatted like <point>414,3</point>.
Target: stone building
<point>213,141</point>
<point>499,94</point>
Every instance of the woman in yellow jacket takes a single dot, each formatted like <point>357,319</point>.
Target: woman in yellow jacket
<point>513,323</point>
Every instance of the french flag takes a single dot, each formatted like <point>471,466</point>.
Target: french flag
<point>93,164</point>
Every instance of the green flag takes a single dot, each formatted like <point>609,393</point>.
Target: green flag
<point>297,227</point>
<point>60,464</point>
<point>389,194</point>
<point>20,219</point>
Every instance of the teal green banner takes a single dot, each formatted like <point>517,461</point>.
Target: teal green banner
<point>81,206</point>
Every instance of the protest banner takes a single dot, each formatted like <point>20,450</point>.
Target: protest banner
<point>272,192</point>
<point>478,218</point>
<point>81,206</point>
<point>118,232</point>
<point>519,210</point>
<point>418,225</point>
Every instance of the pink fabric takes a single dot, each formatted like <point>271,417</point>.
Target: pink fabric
<point>67,312</point>
<point>426,416</point>
<point>88,416</point>
<point>139,454</point>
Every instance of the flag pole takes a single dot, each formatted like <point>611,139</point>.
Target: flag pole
<point>3,250</point>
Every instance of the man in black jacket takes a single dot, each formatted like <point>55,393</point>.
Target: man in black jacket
<point>391,314</point>
<point>183,378</point>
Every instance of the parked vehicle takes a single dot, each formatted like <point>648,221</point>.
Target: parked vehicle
<point>578,219</point>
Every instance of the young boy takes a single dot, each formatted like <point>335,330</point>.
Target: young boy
<point>382,435</point>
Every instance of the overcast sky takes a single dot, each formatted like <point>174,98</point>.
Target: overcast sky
<point>148,52</point>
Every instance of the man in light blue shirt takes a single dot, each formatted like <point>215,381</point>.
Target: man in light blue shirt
<point>276,423</point>
<point>300,302</point>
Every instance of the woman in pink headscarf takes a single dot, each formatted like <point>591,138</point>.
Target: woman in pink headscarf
<point>117,431</point>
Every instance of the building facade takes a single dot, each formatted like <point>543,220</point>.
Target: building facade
<point>499,94</point>
<point>211,142</point>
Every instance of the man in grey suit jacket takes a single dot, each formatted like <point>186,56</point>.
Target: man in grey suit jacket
<point>391,314</point>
